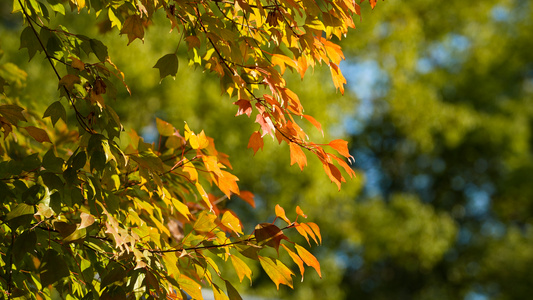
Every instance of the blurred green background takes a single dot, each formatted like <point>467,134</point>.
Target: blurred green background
<point>438,112</point>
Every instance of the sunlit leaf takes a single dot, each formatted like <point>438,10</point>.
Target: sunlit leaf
<point>308,258</point>
<point>277,271</point>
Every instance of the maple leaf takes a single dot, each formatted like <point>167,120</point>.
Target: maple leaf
<point>256,141</point>
<point>245,107</point>
<point>297,155</point>
<point>133,27</point>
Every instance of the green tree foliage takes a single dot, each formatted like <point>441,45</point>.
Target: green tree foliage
<point>450,123</point>
<point>89,209</point>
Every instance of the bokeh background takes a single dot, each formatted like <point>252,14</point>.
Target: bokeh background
<point>439,115</point>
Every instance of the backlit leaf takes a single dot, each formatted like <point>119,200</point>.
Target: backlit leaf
<point>164,128</point>
<point>167,65</point>
<point>280,213</point>
<point>308,258</point>
<point>256,141</point>
<point>297,155</point>
<point>232,222</point>
<point>296,259</point>
<point>277,271</point>
<point>248,197</point>
<point>241,268</point>
<point>191,287</point>
<point>55,111</point>
<point>133,27</point>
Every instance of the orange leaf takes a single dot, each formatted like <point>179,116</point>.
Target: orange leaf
<point>308,258</point>
<point>296,259</point>
<point>316,229</point>
<point>344,165</point>
<point>297,155</point>
<point>244,107</point>
<point>338,79</point>
<point>277,271</point>
<point>373,3</point>
<point>280,213</point>
<point>256,141</point>
<point>334,174</point>
<point>315,123</point>
<point>248,197</point>
<point>309,232</point>
<point>302,232</point>
<point>300,212</point>
<point>38,134</point>
<point>241,268</point>
<point>341,146</point>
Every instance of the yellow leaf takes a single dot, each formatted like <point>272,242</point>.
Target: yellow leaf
<point>277,271</point>
<point>191,287</point>
<point>241,268</point>
<point>232,222</point>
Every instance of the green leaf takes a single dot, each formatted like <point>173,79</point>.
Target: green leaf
<point>167,65</point>
<point>52,163</point>
<point>232,291</point>
<point>20,210</point>
<point>99,49</point>
<point>79,160</point>
<point>57,6</point>
<point>56,111</point>
<point>31,162</point>
<point>25,243</point>
<point>29,40</point>
<point>53,268</point>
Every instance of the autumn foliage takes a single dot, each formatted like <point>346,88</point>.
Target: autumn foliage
<point>89,209</point>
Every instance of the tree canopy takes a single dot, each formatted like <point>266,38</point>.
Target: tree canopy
<point>91,210</point>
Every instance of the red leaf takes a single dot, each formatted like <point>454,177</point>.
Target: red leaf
<point>244,107</point>
<point>269,234</point>
<point>256,141</point>
<point>297,155</point>
<point>38,134</point>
